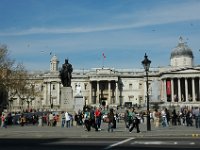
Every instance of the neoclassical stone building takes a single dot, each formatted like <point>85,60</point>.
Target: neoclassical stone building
<point>175,85</point>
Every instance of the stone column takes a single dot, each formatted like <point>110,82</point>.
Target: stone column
<point>116,93</point>
<point>186,90</point>
<point>193,90</point>
<point>97,99</point>
<point>179,90</point>
<point>90,93</point>
<point>172,90</point>
<point>161,91</point>
<point>199,89</point>
<point>109,97</point>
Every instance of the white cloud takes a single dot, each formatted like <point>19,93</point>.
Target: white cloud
<point>157,16</point>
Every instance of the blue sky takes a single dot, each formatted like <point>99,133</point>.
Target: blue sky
<point>81,30</point>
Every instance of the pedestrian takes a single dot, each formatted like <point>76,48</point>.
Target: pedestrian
<point>67,119</point>
<point>134,122</point>
<point>198,120</point>
<point>3,121</point>
<point>174,117</point>
<point>40,124</point>
<point>50,119</point>
<point>87,119</point>
<point>22,120</point>
<point>111,118</point>
<point>196,114</point>
<point>92,119</point>
<point>126,119</point>
<point>157,118</point>
<point>164,117</point>
<point>98,118</point>
<point>63,119</point>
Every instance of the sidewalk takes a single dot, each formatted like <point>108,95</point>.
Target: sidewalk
<point>79,132</point>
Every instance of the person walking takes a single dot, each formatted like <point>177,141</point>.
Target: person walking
<point>92,119</point>
<point>62,119</point>
<point>126,119</point>
<point>3,121</point>
<point>135,122</point>
<point>198,120</point>
<point>87,119</point>
<point>67,119</point>
<point>111,119</point>
<point>98,118</point>
<point>157,118</point>
<point>197,117</point>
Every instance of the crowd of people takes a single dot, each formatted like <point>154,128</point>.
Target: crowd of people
<point>92,117</point>
<point>185,116</point>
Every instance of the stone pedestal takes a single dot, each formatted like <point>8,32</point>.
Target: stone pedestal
<point>79,103</point>
<point>67,101</point>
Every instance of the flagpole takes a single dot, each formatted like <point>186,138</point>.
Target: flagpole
<point>103,63</point>
<point>103,59</point>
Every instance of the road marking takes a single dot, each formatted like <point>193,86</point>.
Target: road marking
<point>162,143</point>
<point>148,142</point>
<point>119,143</point>
<point>192,143</point>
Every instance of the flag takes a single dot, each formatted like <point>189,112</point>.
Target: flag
<point>104,56</point>
<point>168,88</point>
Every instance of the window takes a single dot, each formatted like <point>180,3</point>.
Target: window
<point>85,86</point>
<point>54,87</point>
<point>140,85</point>
<point>130,86</point>
<point>140,99</point>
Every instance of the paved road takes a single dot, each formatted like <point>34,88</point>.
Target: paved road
<point>99,144</point>
<point>53,138</point>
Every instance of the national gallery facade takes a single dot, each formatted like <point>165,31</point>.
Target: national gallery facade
<point>175,85</point>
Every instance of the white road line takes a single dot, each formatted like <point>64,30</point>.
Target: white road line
<point>162,143</point>
<point>175,143</point>
<point>148,142</point>
<point>192,143</point>
<point>119,143</point>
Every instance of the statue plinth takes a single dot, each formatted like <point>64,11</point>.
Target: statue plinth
<point>79,103</point>
<point>67,102</point>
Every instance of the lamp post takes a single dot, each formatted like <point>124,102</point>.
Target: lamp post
<point>146,64</point>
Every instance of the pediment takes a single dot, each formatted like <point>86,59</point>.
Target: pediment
<point>187,71</point>
<point>182,71</point>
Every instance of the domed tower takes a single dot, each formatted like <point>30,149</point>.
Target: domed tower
<point>181,55</point>
<point>54,64</point>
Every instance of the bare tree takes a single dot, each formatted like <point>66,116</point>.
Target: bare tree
<point>13,79</point>
<point>5,68</point>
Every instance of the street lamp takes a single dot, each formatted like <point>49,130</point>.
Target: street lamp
<point>146,64</point>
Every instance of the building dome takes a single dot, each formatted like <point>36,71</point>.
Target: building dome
<point>54,58</point>
<point>181,50</point>
<point>181,55</point>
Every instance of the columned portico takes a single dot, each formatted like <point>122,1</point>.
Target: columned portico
<point>183,90</point>
<point>104,91</point>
